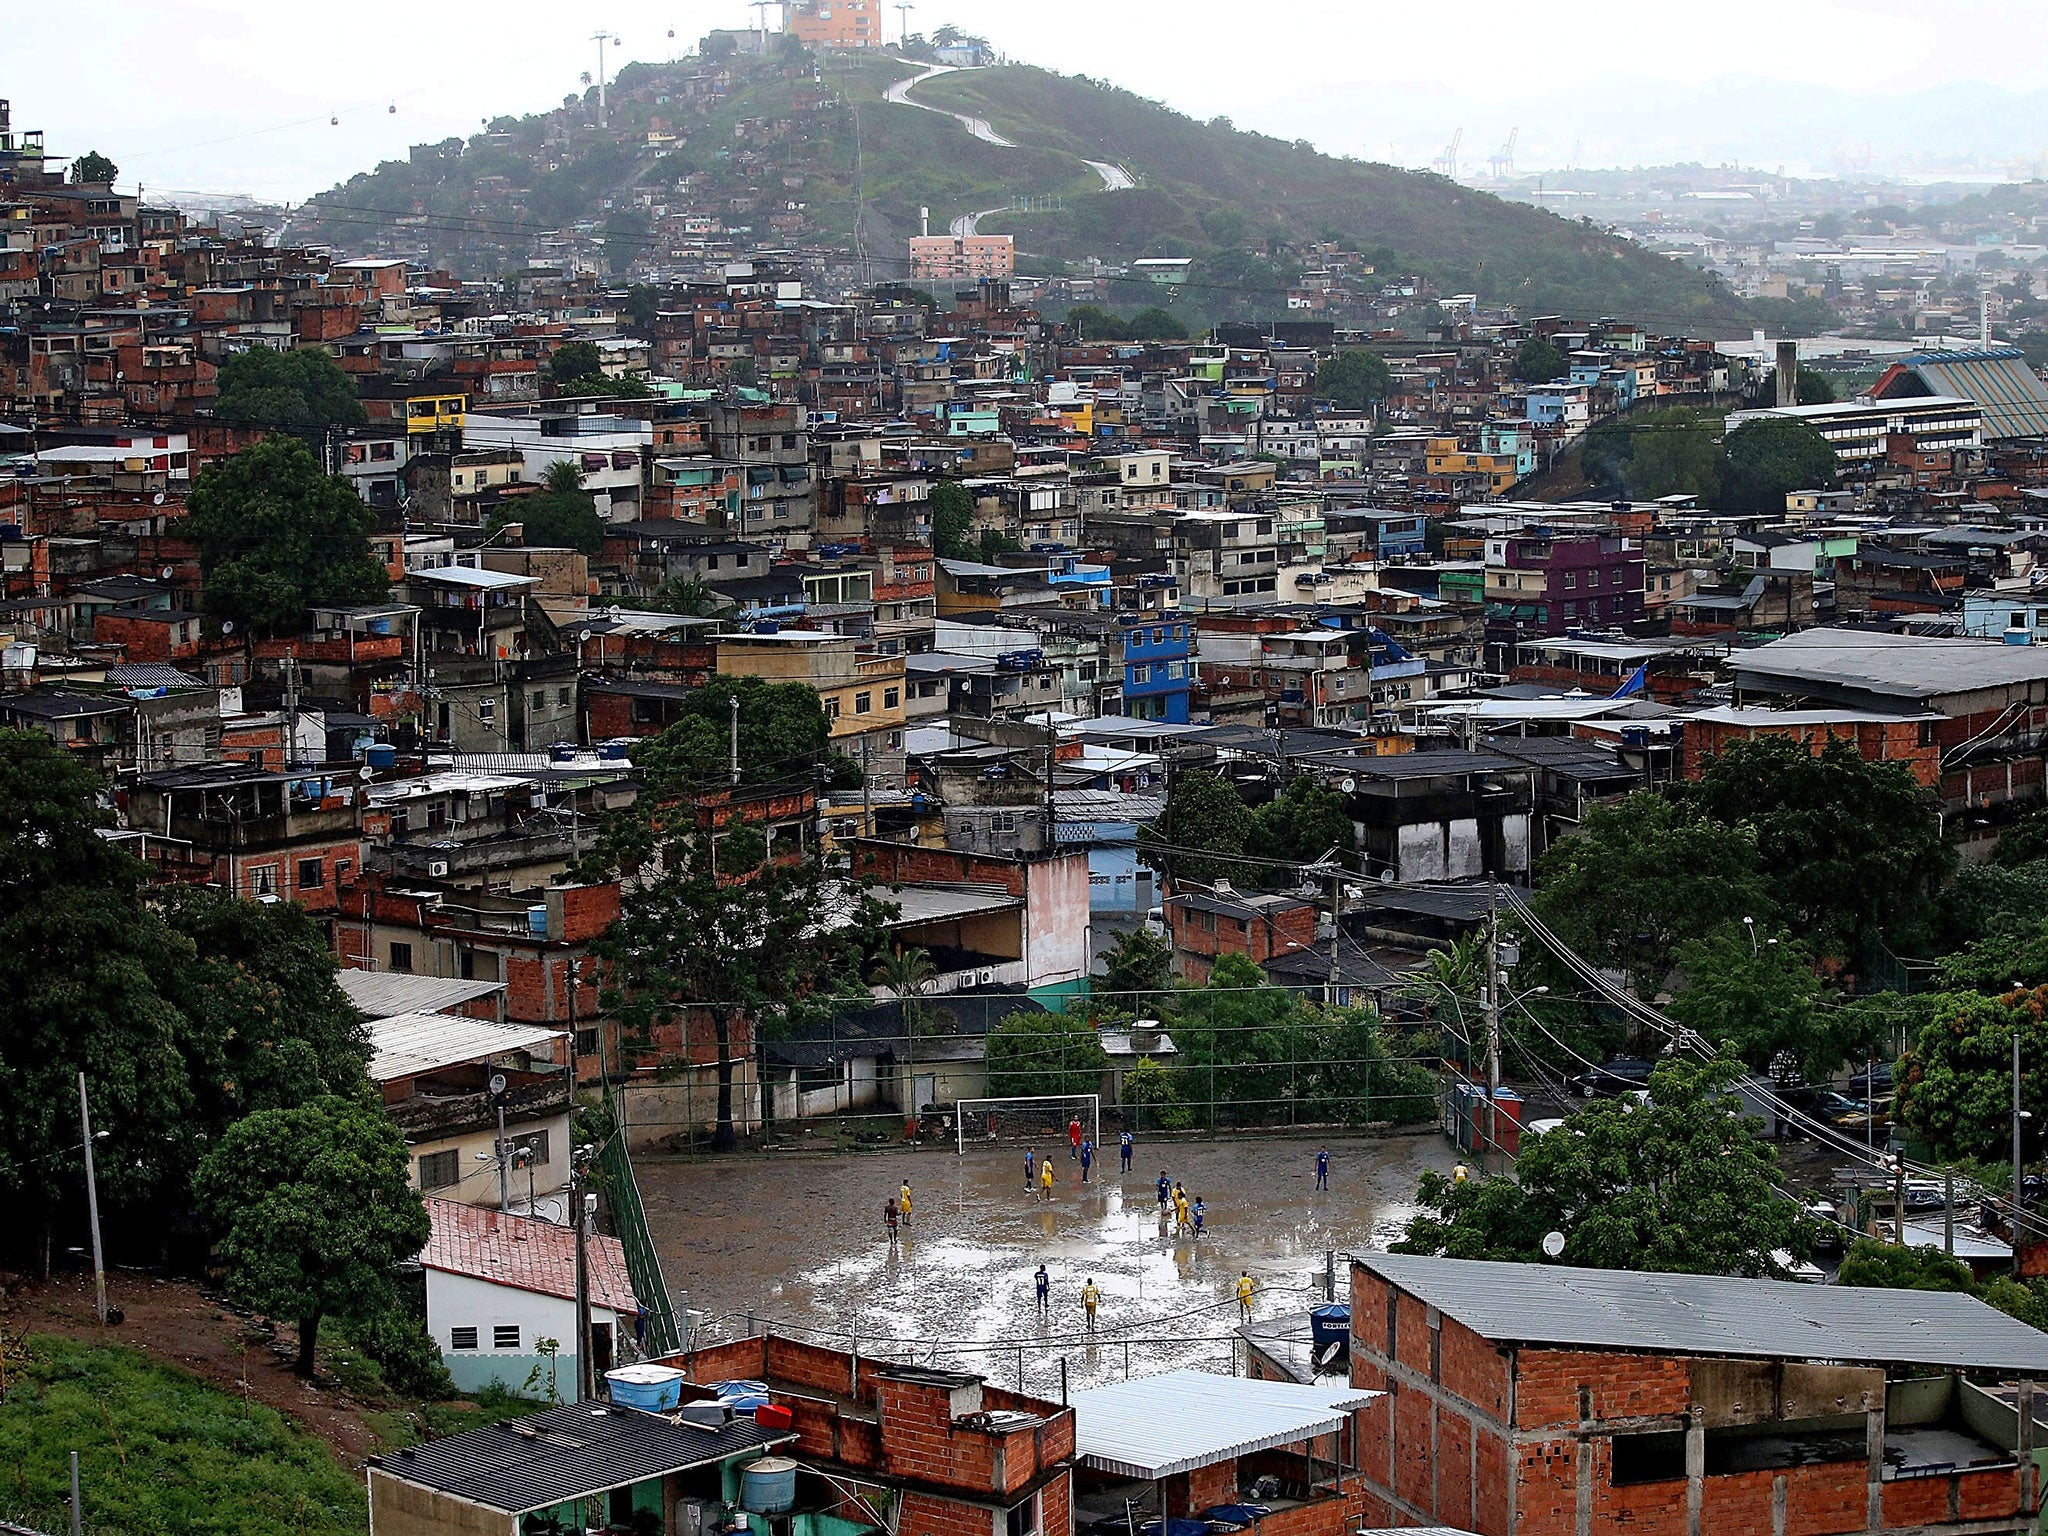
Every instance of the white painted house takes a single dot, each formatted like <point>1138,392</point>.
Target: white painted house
<point>501,1300</point>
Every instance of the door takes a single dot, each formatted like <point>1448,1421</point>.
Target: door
<point>924,1088</point>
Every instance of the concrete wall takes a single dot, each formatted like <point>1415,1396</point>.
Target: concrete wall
<point>461,1301</point>
<point>400,1508</point>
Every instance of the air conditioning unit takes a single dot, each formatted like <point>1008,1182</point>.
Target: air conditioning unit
<point>986,977</point>
<point>438,868</point>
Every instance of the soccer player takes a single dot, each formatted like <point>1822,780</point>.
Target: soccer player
<point>1091,1298</point>
<point>1322,1168</point>
<point>1165,1190</point>
<point>889,1214</point>
<point>1044,1283</point>
<point>1045,1178</point>
<point>1074,1137</point>
<point>1030,1171</point>
<point>1201,1215</point>
<point>1245,1287</point>
<point>903,1195</point>
<point>1126,1147</point>
<point>1087,1159</point>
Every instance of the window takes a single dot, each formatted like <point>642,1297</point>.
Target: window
<point>831,709</point>
<point>505,1336</point>
<point>540,699</point>
<point>1571,581</point>
<point>401,956</point>
<point>310,874</point>
<point>531,1147</point>
<point>1023,1520</point>
<point>264,879</point>
<point>891,697</point>
<point>863,702</point>
<point>1003,821</point>
<point>440,1170</point>
<point>562,698</point>
<point>462,1338</point>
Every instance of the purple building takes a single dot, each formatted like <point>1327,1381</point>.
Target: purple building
<point>1540,585</point>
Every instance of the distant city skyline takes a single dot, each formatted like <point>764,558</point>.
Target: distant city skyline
<point>230,96</point>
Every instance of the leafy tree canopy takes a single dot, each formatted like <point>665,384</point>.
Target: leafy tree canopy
<point>554,520</point>
<point>1203,812</point>
<point>93,169</point>
<point>315,1209</point>
<point>1679,1184</point>
<point>1955,1082</point>
<point>302,391</point>
<point>1538,362</point>
<point>1305,823</point>
<point>276,537</point>
<point>1138,961</point>
<point>1044,1053</point>
<point>1357,380</point>
<point>1766,458</point>
<point>952,514</point>
<point>1849,847</point>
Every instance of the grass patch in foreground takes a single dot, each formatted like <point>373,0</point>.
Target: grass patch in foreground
<point>159,1450</point>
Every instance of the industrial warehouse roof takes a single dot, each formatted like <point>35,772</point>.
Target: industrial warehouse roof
<point>380,994</point>
<point>1157,1426</point>
<point>407,1044</point>
<point>1916,667</point>
<point>1715,1314</point>
<point>2009,393</point>
<point>519,1465</point>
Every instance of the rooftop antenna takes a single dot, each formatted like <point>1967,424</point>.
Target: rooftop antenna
<point>903,10</point>
<point>601,38</point>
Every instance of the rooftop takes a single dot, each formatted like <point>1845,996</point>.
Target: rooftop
<point>381,994</point>
<point>524,1253</point>
<point>1715,1314</point>
<point>1157,1426</point>
<point>1914,667</point>
<point>408,1044</point>
<point>549,1458</point>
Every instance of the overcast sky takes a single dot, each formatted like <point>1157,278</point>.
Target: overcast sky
<point>236,95</point>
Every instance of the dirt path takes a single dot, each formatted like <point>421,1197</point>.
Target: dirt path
<point>174,1322</point>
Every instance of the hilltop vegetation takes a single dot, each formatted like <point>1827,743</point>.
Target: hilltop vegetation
<point>805,151</point>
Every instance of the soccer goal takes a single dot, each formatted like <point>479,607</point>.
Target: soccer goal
<point>1044,1119</point>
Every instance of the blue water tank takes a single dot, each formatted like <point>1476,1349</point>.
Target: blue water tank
<point>381,755</point>
<point>537,919</point>
<point>768,1486</point>
<point>653,1388</point>
<point>562,752</point>
<point>1329,1325</point>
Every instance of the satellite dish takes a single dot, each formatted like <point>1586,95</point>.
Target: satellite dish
<point>227,626</point>
<point>394,109</point>
<point>1349,786</point>
<point>1553,1244</point>
<point>157,500</point>
<point>498,1091</point>
<point>334,122</point>
<point>168,572</point>
<point>1386,877</point>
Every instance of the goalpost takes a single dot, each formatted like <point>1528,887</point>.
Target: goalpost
<point>1043,1119</point>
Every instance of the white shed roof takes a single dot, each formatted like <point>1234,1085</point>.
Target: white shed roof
<point>407,1044</point>
<point>1157,1426</point>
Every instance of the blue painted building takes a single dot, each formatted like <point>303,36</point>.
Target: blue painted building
<point>1157,667</point>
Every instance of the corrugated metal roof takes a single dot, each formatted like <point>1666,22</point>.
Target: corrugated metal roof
<point>406,1044</point>
<point>381,994</point>
<point>1715,1314</point>
<point>1916,667</point>
<point>519,1465</point>
<point>2009,393</point>
<point>1157,1426</point>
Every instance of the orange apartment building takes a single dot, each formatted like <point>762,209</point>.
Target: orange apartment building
<point>835,23</point>
<point>964,258</point>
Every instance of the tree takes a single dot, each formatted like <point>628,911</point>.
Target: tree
<point>1155,324</point>
<point>1203,815</point>
<point>1848,847</point>
<point>2024,842</point>
<point>562,477</point>
<point>689,595</point>
<point>276,536</point>
<point>302,391</point>
<point>1891,1267</point>
<point>1151,1093</point>
<point>1641,878</point>
<point>1538,362</point>
<point>1809,388</point>
<point>575,360</point>
<point>1248,1042</point>
<point>1139,961</point>
<point>1678,1184</point>
<point>316,1211</point>
<point>1305,823</point>
<point>952,514</point>
<point>93,169</point>
<point>1357,380</point>
<point>1753,994</point>
<point>1955,1083</point>
<point>554,520</point>
<point>1040,1053</point>
<point>906,974</point>
<point>605,386</point>
<point>713,929</point>
<point>1765,458</point>
<point>1673,452</point>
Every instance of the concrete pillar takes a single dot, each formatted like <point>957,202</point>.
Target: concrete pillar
<point>1788,373</point>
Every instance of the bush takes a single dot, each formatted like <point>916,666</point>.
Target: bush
<point>1153,1099</point>
<point>406,1355</point>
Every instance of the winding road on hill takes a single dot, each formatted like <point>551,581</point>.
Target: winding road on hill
<point>1114,177</point>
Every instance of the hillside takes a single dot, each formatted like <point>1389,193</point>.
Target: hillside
<point>809,153</point>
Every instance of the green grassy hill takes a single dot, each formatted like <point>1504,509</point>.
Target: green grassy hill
<point>818,132</point>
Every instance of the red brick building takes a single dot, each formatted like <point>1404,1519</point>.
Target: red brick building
<point>1908,739</point>
<point>960,1456</point>
<point>1262,927</point>
<point>1537,1400</point>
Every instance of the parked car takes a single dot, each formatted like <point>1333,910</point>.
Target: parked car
<point>1874,1081</point>
<point>1624,1074</point>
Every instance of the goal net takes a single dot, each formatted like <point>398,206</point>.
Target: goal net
<point>1045,1120</point>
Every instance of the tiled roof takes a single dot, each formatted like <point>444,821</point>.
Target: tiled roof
<point>526,1254</point>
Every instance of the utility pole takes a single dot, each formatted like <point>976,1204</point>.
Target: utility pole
<point>1492,1000</point>
<point>92,1198</point>
<point>498,1099</point>
<point>903,10</point>
<point>735,741</point>
<point>2018,1114</point>
<point>578,1213</point>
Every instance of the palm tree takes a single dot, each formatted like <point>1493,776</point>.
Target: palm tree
<point>906,973</point>
<point>562,475</point>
